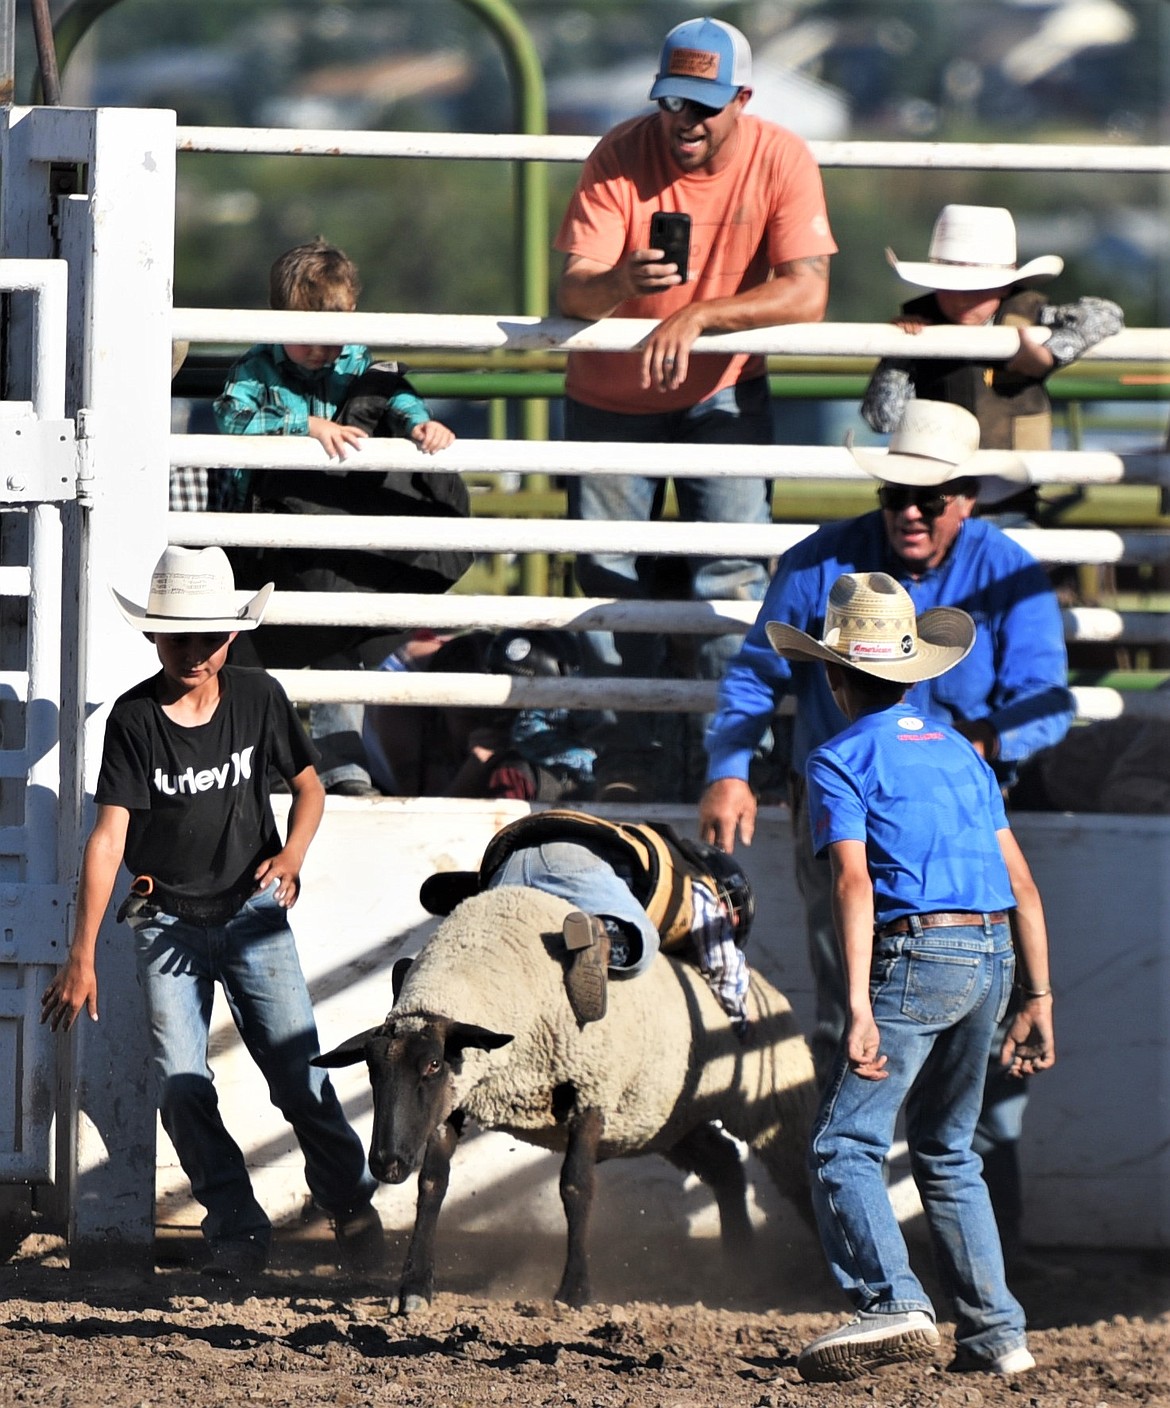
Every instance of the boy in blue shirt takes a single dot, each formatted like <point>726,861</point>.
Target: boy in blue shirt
<point>339,397</point>
<point>925,870</point>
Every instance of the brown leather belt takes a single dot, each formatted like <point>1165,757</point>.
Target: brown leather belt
<point>944,919</point>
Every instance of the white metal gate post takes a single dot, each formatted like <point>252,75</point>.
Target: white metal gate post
<point>96,188</point>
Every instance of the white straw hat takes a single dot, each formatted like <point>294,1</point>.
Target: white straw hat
<point>192,590</point>
<point>936,442</point>
<point>870,626</point>
<point>974,247</point>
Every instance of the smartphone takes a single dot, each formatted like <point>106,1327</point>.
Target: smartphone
<point>670,231</point>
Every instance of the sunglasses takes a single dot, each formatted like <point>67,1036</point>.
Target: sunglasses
<point>701,111</point>
<point>930,503</point>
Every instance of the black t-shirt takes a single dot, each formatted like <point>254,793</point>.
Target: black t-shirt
<point>200,817</point>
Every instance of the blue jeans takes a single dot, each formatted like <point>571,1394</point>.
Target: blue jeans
<point>336,730</point>
<point>739,415</point>
<point>574,872</point>
<point>254,958</point>
<point>1005,1097</point>
<point>938,995</point>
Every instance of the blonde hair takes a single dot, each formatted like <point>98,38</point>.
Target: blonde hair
<point>314,278</point>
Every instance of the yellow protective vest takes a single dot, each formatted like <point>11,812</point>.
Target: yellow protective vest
<point>662,871</point>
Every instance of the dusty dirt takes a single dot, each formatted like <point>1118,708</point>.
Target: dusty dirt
<point>687,1330</point>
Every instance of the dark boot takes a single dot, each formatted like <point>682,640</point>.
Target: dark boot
<point>585,982</point>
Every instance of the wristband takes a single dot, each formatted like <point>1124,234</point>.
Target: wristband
<point>1033,992</point>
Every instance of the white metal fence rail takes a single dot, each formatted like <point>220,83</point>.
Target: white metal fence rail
<point>513,146</point>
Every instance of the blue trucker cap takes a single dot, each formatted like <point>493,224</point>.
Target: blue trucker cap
<point>704,61</point>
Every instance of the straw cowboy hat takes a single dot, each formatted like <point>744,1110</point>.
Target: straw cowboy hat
<point>974,247</point>
<point>870,626</point>
<point>192,590</point>
<point>936,442</point>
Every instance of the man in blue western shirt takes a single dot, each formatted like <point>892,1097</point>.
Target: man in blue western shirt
<point>1009,697</point>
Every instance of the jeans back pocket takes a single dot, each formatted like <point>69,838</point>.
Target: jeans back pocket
<point>939,986</point>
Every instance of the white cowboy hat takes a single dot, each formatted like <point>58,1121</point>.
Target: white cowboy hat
<point>870,626</point>
<point>936,442</point>
<point>192,591</point>
<point>974,247</point>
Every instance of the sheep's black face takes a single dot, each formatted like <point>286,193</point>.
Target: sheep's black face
<point>410,1077</point>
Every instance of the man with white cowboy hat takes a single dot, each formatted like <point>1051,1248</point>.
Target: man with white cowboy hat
<point>1009,696</point>
<point>975,280</point>
<point>925,870</point>
<point>183,800</point>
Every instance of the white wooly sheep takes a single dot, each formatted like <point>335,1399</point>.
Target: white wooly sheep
<point>482,1027</point>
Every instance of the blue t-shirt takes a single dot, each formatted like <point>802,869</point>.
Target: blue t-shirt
<point>926,806</point>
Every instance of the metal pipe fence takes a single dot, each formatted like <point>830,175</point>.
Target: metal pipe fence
<point>837,343</point>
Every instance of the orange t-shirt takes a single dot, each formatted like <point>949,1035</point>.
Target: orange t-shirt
<point>766,208</point>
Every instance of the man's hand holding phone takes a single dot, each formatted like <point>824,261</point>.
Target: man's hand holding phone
<point>670,231</point>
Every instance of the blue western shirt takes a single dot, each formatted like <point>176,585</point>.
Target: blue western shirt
<point>1016,676</point>
<point>925,805</point>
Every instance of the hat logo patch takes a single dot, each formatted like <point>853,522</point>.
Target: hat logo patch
<point>694,63</point>
<point>907,645</point>
<point>870,650</point>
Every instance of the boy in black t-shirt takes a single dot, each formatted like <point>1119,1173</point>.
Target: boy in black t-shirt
<point>183,800</point>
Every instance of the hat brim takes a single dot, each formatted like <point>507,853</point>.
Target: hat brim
<point>249,617</point>
<point>694,90</point>
<point>966,278</point>
<point>1001,472</point>
<point>945,636</point>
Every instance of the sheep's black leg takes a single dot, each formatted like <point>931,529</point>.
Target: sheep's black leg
<point>578,1184</point>
<point>417,1286</point>
<point>711,1153</point>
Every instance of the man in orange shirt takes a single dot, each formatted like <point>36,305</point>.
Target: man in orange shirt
<point>759,256</point>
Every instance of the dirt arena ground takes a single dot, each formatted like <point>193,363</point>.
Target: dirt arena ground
<point>678,1328</point>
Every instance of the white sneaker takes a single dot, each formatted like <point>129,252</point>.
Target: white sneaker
<point>1012,1361</point>
<point>1015,1361</point>
<point>869,1341</point>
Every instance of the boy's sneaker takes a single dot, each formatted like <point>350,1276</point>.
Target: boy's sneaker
<point>1011,1361</point>
<point>361,1242</point>
<point>236,1261</point>
<point>869,1341</point>
<point>585,982</point>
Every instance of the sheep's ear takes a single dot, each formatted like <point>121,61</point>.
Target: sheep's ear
<point>398,976</point>
<point>350,1052</point>
<point>463,1034</point>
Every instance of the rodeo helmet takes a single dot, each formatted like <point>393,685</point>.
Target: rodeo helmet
<point>537,654</point>
<point>734,887</point>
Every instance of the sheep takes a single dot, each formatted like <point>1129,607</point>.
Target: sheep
<point>659,1074</point>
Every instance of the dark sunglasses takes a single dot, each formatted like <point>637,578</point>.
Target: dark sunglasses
<point>675,105</point>
<point>930,503</point>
